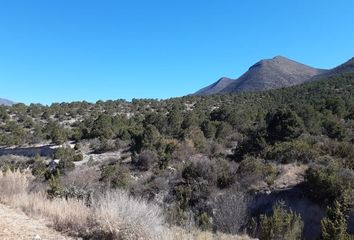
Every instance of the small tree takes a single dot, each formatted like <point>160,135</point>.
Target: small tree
<point>334,226</point>
<point>151,138</point>
<point>102,127</point>
<point>174,120</point>
<point>281,225</point>
<point>56,188</point>
<point>56,133</point>
<point>66,156</point>
<point>39,168</point>
<point>334,129</point>
<point>209,129</point>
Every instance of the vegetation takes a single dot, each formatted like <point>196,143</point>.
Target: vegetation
<point>335,225</point>
<point>112,215</point>
<point>281,225</point>
<point>196,155</point>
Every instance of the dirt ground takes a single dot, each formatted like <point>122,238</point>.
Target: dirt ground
<point>15,225</point>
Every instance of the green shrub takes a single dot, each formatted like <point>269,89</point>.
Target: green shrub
<point>204,221</point>
<point>334,129</point>
<point>78,157</point>
<point>225,174</point>
<point>56,133</point>
<point>252,145</point>
<point>253,169</point>
<point>283,125</point>
<point>200,169</point>
<point>197,139</point>
<point>343,150</point>
<point>106,145</point>
<point>223,130</point>
<point>39,167</point>
<point>282,224</point>
<point>102,127</point>
<point>66,165</point>
<point>327,183</point>
<point>56,188</point>
<point>67,156</point>
<point>336,106</point>
<point>209,129</point>
<point>183,194</point>
<point>116,176</point>
<point>289,152</point>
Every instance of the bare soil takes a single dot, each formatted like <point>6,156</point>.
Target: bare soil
<point>15,225</point>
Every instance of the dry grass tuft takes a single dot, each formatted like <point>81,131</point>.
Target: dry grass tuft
<point>116,210</point>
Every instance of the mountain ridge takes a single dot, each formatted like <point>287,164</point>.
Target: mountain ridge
<point>346,67</point>
<point>6,102</point>
<point>217,86</point>
<point>277,72</point>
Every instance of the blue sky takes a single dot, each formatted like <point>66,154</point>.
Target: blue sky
<point>68,50</point>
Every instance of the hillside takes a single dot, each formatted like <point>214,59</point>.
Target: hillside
<point>347,67</point>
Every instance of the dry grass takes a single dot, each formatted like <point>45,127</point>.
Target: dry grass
<point>117,209</point>
<point>114,215</point>
<point>67,215</point>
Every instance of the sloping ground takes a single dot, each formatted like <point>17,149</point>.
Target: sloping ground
<point>290,176</point>
<point>347,67</point>
<point>15,225</point>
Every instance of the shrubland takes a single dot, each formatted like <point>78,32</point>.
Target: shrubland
<point>193,159</point>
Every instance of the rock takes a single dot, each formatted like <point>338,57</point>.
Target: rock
<point>37,237</point>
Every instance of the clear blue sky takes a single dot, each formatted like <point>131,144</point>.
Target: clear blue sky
<point>54,51</point>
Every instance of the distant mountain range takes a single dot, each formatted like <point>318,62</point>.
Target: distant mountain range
<point>278,72</point>
<point>6,102</point>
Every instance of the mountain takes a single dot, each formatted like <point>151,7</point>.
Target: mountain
<point>277,72</point>
<point>6,102</point>
<point>273,73</point>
